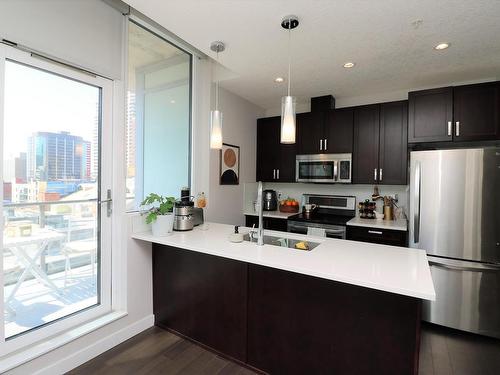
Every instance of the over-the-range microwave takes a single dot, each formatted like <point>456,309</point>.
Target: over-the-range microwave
<point>324,168</point>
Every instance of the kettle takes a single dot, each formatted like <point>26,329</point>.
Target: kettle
<point>269,200</point>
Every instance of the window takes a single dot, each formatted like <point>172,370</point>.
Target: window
<point>158,116</point>
<point>56,162</point>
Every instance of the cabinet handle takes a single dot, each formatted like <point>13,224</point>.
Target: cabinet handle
<point>278,174</point>
<point>274,174</point>
<point>457,128</point>
<point>380,174</point>
<point>326,147</point>
<point>449,128</point>
<point>375,232</point>
<point>375,174</point>
<point>321,145</point>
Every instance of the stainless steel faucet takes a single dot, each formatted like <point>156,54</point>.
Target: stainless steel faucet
<point>260,230</point>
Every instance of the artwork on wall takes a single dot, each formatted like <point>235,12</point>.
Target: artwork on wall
<point>229,164</point>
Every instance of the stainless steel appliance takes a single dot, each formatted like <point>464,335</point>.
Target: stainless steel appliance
<point>455,217</point>
<point>270,200</point>
<point>183,215</point>
<point>324,168</point>
<point>331,213</point>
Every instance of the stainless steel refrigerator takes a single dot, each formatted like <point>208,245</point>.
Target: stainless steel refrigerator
<point>455,217</point>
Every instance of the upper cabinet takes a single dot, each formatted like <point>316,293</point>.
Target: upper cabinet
<point>275,161</point>
<point>430,115</point>
<point>476,112</point>
<point>328,132</point>
<point>462,113</point>
<point>380,146</point>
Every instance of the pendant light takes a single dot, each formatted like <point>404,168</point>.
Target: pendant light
<point>216,115</point>
<point>288,102</point>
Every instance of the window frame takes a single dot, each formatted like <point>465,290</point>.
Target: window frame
<point>48,330</point>
<point>139,159</point>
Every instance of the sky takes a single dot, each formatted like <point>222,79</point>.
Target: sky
<point>39,101</point>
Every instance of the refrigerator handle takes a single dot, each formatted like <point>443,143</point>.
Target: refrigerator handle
<point>416,214</point>
<point>481,267</point>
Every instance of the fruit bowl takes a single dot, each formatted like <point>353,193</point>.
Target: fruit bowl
<point>288,208</point>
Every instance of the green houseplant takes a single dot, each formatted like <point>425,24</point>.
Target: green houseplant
<point>159,213</point>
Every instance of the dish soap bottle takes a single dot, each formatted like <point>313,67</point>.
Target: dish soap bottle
<point>236,236</point>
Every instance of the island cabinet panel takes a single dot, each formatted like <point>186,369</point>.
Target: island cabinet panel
<point>202,297</point>
<point>299,324</point>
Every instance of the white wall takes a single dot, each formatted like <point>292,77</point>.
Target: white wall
<point>225,202</point>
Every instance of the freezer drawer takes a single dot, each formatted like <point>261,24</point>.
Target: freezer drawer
<point>467,296</point>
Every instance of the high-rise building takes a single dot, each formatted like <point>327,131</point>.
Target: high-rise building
<point>130,134</point>
<point>94,147</point>
<point>57,157</point>
<point>20,168</point>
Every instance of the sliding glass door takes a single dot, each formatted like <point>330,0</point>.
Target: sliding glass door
<point>56,157</point>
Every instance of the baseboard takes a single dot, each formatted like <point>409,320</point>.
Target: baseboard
<point>100,346</point>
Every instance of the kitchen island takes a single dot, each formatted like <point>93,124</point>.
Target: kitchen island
<point>343,307</point>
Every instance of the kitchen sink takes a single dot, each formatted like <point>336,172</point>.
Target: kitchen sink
<point>282,242</point>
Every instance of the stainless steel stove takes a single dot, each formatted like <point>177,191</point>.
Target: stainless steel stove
<point>332,212</point>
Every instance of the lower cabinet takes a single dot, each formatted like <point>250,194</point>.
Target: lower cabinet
<point>203,297</point>
<point>375,235</point>
<point>270,223</point>
<point>282,322</point>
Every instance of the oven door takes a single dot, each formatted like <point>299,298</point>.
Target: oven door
<point>310,170</point>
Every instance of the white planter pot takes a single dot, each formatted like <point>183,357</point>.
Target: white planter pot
<point>163,225</point>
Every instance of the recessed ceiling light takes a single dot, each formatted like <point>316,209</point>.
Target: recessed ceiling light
<point>279,79</point>
<point>349,65</point>
<point>441,46</point>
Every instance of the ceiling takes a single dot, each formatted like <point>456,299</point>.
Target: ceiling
<point>390,52</point>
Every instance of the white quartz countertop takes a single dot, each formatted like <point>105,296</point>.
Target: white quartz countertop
<point>273,214</point>
<point>400,224</point>
<point>399,270</point>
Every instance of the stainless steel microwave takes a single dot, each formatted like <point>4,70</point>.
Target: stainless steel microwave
<point>324,168</point>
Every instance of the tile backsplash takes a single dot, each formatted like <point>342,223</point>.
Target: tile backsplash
<point>296,190</point>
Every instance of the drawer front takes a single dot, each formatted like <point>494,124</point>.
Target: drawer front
<point>376,235</point>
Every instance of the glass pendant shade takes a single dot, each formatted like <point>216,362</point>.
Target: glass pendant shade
<point>287,119</point>
<point>216,130</point>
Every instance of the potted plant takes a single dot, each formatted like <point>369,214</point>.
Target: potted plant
<point>160,215</point>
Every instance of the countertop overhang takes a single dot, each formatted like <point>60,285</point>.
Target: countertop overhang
<point>392,269</point>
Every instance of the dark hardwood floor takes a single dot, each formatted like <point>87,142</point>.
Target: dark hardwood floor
<point>155,351</point>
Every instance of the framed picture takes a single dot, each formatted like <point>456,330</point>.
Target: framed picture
<point>229,164</point>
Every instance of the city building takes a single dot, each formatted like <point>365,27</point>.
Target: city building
<point>58,157</point>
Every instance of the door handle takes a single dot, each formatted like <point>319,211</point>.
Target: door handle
<point>321,145</point>
<point>277,174</point>
<point>457,128</point>
<point>380,175</point>
<point>326,144</point>
<point>274,174</point>
<point>416,215</point>
<point>449,128</point>
<point>109,203</point>
<point>375,174</point>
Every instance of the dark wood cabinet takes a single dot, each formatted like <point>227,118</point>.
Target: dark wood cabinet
<point>393,143</point>
<point>366,144</point>
<point>376,235</point>
<point>380,144</point>
<point>455,114</point>
<point>476,112</point>
<point>275,161</point>
<point>270,223</point>
<point>201,296</point>
<point>328,132</point>
<point>430,115</point>
<point>310,133</point>
<point>339,131</point>
<point>299,324</point>
<point>282,322</point>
